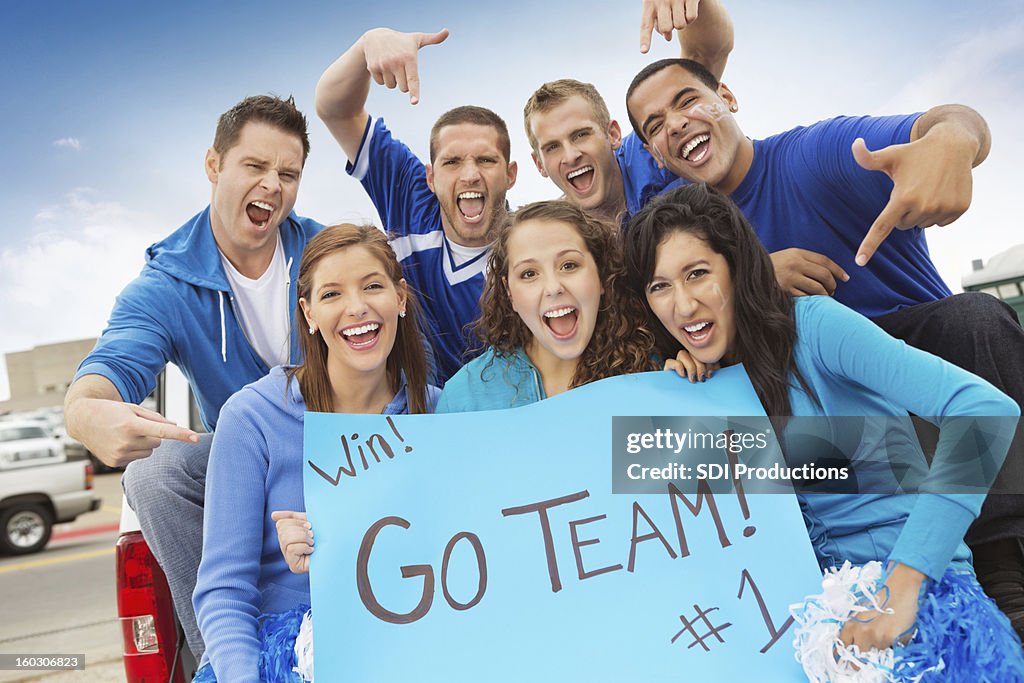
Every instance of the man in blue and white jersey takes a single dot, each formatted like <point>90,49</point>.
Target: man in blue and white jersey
<point>442,216</point>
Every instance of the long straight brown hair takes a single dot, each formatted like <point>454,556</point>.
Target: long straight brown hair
<point>407,356</point>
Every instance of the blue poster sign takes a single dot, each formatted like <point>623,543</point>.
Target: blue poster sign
<point>489,546</point>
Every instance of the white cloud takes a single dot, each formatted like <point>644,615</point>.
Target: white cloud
<point>73,143</point>
<point>60,283</point>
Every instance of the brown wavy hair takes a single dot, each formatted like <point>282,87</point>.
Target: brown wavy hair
<point>765,326</point>
<point>407,356</point>
<point>622,342</point>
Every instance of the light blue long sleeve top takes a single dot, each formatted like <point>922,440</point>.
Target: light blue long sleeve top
<point>856,369</point>
<point>255,468</point>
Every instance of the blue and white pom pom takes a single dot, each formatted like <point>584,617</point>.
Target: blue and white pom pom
<point>304,648</point>
<point>960,633</point>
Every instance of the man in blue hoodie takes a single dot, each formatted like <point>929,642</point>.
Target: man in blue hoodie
<point>217,299</point>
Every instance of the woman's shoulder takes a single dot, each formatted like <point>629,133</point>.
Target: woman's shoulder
<point>478,384</point>
<point>278,387</point>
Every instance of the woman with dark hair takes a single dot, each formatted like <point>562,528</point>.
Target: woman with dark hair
<point>555,313</point>
<point>710,285</point>
<point>362,354</point>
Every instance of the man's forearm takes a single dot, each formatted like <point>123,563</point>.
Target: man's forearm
<point>341,98</point>
<point>84,388</point>
<point>708,40</point>
<point>961,126</point>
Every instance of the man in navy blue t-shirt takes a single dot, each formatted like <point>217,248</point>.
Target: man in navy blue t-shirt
<point>443,216</point>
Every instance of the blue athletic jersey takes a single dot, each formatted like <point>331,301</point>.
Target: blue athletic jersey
<point>449,294</point>
<point>641,177</point>
<point>805,190</point>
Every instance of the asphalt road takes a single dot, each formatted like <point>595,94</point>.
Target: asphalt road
<point>62,600</point>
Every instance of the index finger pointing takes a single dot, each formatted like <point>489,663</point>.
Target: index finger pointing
<point>172,431</point>
<point>412,79</point>
<point>646,28</point>
<point>880,229</point>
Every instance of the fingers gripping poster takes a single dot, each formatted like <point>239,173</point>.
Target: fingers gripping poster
<point>489,546</point>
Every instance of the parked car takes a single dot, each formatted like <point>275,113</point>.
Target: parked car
<point>26,443</point>
<point>38,487</point>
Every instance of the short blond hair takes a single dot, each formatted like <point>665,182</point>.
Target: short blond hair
<point>553,93</point>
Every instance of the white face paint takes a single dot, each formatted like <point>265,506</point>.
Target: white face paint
<point>721,295</point>
<point>712,111</point>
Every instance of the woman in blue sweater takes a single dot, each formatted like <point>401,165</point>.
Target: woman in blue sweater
<point>363,354</point>
<point>710,285</point>
<point>555,313</point>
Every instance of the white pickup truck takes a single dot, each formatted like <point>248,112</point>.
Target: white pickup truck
<point>38,487</point>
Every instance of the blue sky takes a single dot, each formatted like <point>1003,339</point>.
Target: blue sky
<point>108,108</point>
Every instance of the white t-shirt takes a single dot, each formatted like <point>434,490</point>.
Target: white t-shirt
<point>463,254</point>
<point>262,307</point>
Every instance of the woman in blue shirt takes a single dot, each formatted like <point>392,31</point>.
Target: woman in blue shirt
<point>711,287</point>
<point>362,354</point>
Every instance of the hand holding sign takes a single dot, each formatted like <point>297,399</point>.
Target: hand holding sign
<point>932,186</point>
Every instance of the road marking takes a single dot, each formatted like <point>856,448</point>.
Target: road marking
<point>84,531</point>
<point>57,560</point>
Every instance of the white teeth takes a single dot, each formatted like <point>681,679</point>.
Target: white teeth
<point>470,195</point>
<point>559,312</point>
<point>579,172</point>
<point>689,147</point>
<point>362,329</point>
<point>696,327</point>
<point>263,205</point>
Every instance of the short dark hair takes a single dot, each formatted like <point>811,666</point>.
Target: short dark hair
<point>479,116</point>
<point>269,109</point>
<point>695,68</point>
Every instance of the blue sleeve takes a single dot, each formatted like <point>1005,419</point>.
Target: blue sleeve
<point>396,181</point>
<point>642,179</point>
<point>137,342</point>
<point>859,352</point>
<point>826,149</point>
<point>227,598</point>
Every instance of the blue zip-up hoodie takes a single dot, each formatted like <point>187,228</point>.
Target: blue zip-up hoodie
<point>180,309</point>
<point>492,381</point>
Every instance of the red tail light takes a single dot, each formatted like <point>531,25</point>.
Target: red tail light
<point>88,476</point>
<point>146,611</point>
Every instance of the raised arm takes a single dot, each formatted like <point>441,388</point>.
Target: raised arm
<point>931,174</point>
<point>704,28</point>
<point>390,58</point>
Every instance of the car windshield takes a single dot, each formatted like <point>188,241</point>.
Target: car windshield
<point>19,433</point>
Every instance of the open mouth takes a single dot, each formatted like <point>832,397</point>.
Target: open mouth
<point>471,206</point>
<point>259,213</point>
<point>582,179</point>
<point>562,322</point>
<point>698,333</point>
<point>696,148</point>
<point>362,337</point>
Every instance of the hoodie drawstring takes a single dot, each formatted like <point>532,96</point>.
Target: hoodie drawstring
<point>223,335</point>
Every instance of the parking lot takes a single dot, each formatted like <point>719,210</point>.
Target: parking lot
<point>62,600</point>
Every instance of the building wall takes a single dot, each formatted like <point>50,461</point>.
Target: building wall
<point>39,377</point>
